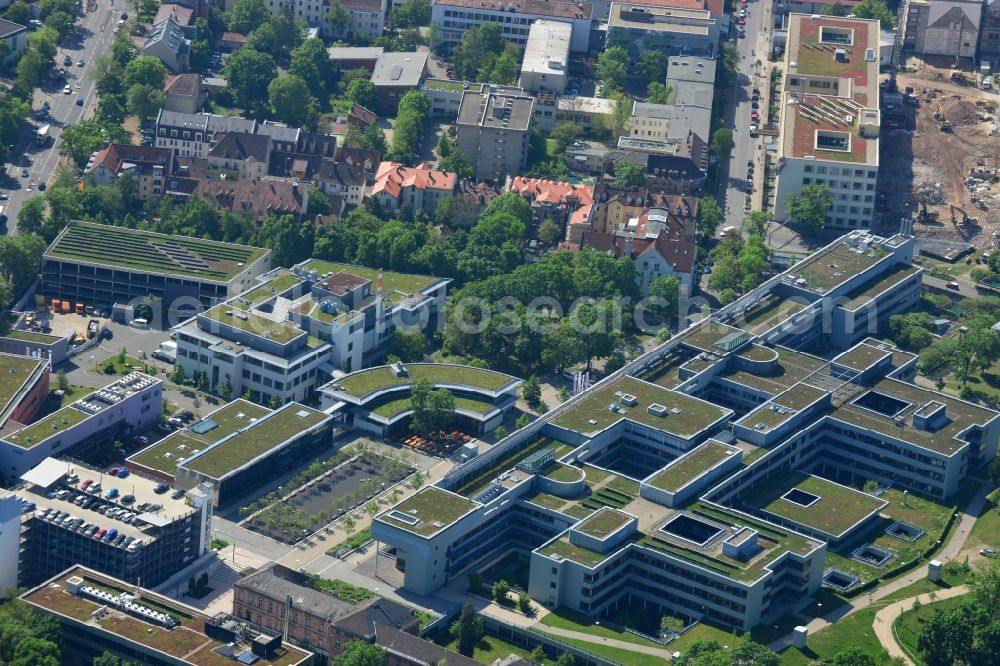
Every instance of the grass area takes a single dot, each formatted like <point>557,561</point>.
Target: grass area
<point>16,371</point>
<point>834,509</point>
<point>364,382</point>
<point>488,649</point>
<point>356,540</point>
<point>400,405</point>
<point>546,500</point>
<point>219,544</point>
<point>603,523</point>
<point>263,435</point>
<point>690,466</point>
<point>151,252</point>
<point>130,364</point>
<point>614,654</point>
<point>31,336</point>
<point>592,414</point>
<point>986,530</point>
<point>909,625</point>
<point>433,509</point>
<point>281,332</point>
<point>566,618</point>
<point>234,416</point>
<point>563,473</point>
<point>403,282</point>
<point>47,427</point>
<point>280,283</point>
<point>573,552</point>
<point>343,590</point>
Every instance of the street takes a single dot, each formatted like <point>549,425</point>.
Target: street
<point>92,36</point>
<point>750,49</point>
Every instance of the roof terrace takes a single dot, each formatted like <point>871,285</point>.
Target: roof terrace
<point>428,512</point>
<point>365,382</point>
<point>281,332</point>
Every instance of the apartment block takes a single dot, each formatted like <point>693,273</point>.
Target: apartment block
<point>493,130</point>
<point>122,408</point>
<point>516,19</point>
<point>546,57</point>
<point>942,27</point>
<point>830,116</point>
<point>676,30</point>
<point>419,187</point>
<point>146,164</point>
<point>74,514</point>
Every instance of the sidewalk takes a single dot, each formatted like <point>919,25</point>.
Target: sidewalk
<point>886,617</point>
<point>966,519</point>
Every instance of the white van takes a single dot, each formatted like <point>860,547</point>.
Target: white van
<point>140,323</point>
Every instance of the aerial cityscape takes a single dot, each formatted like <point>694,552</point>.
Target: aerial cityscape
<point>500,332</point>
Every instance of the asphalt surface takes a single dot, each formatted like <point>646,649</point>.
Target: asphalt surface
<point>750,49</point>
<point>939,286</point>
<point>92,36</point>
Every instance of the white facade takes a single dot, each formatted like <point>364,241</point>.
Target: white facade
<point>367,16</point>
<point>10,542</point>
<point>457,16</point>
<point>650,122</point>
<point>546,57</point>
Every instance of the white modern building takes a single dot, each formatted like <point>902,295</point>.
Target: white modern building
<point>457,16</point>
<point>546,57</point>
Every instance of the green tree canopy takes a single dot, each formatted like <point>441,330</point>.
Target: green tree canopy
<point>612,70</point>
<point>810,205</point>
<point>629,174</point>
<point>247,15</point>
<point>148,70</point>
<point>291,102</point>
<point>433,409</point>
<point>248,75</point>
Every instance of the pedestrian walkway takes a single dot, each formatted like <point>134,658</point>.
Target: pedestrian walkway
<point>950,551</point>
<point>886,618</point>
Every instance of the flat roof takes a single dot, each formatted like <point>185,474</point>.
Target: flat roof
<point>408,284</point>
<point>282,331</point>
<point>47,472</point>
<point>660,19</point>
<point>46,427</point>
<point>16,372</point>
<point>149,252</point>
<point>365,382</point>
<point>547,48</point>
<point>553,8</point>
<point>961,415</point>
<point>428,512</point>
<point>685,415</point>
<point>823,505</point>
<point>394,408</point>
<point>354,52</point>
<point>834,265</point>
<point>862,356</point>
<point>255,439</point>
<point>782,407</point>
<point>883,283</point>
<point>399,69</point>
<point>499,110</point>
<point>168,452</point>
<point>186,643</point>
<point>793,366</point>
<point>603,522</point>
<point>691,465</point>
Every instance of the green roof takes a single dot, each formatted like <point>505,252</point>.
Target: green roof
<point>15,371</point>
<point>47,427</point>
<point>793,367</point>
<point>591,414</point>
<point>228,419</point>
<point>705,335</point>
<point>255,440</point>
<point>365,382</point>
<point>482,480</point>
<point>165,454</point>
<point>574,553</point>
<point>862,357</point>
<point>603,523</point>
<point>281,332</point>
<point>151,252</point>
<point>405,283</point>
<point>432,509</point>
<point>692,465</point>
<point>280,282</point>
<point>890,279</point>
<point>769,313</point>
<point>833,266</point>
<point>393,407</point>
<point>31,336</point>
<point>837,510</point>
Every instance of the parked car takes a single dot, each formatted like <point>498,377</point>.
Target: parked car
<point>177,494</point>
<point>160,489</point>
<point>111,494</point>
<point>67,61</point>
<point>141,440</point>
<point>988,552</point>
<point>954,285</point>
<point>122,473</point>
<point>127,499</point>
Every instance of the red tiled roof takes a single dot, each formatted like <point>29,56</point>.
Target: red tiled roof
<point>179,13</point>
<point>260,197</point>
<point>680,254</point>
<point>392,177</point>
<point>116,154</point>
<point>552,191</point>
<point>234,37</point>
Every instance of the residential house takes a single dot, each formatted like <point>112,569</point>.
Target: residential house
<point>659,256</point>
<point>989,36</point>
<point>183,16</point>
<point>242,153</point>
<point>614,207</point>
<point>942,27</point>
<point>367,160</point>
<point>166,41</point>
<point>340,179</point>
<point>361,117</point>
<point>584,111</point>
<point>471,199</point>
<point>146,164</point>
<point>565,204</point>
<point>355,57</point>
<point>14,37</point>
<point>420,187</point>
<point>231,41</point>
<point>494,131</point>
<point>394,75</point>
<point>184,93</point>
<point>259,198</point>
<point>367,19</point>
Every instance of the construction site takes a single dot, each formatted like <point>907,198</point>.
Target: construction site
<point>940,156</point>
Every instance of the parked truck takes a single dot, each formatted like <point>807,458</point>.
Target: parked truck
<point>167,352</point>
<point>42,134</point>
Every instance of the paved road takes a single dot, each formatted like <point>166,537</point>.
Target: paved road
<point>965,290</point>
<point>746,148</point>
<point>886,617</point>
<point>91,37</point>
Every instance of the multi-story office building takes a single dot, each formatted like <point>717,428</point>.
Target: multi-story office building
<point>122,408</point>
<point>681,30</point>
<point>493,131</point>
<point>546,57</point>
<point>236,448</point>
<point>78,515</point>
<point>23,391</point>
<point>101,265</point>
<point>457,16</point>
<point>104,613</point>
<point>286,335</point>
<point>830,116</point>
<point>774,443</point>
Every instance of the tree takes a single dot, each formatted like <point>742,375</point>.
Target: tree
<point>226,388</point>
<point>411,14</point>
<point>148,70</point>
<point>564,134</point>
<point>566,659</point>
<point>360,653</point>
<point>671,625</point>
<point>709,216</point>
<point>479,47</point>
<point>875,9</point>
<point>318,203</point>
<point>408,347</point>
<point>524,604</point>
<point>80,140</point>
<point>276,401</point>
<point>469,629</point>
<point>531,391</point>
<point>912,330</point>
<point>500,432</point>
<point>658,93</point>
<point>248,74</point>
<point>277,37</point>
<point>653,66</point>
<point>291,102</point>
<point>612,69</point>
<point>31,217</point>
<point>338,18</point>
<point>501,589</point>
<point>667,289</point>
<point>629,174</point>
<point>549,232</point>
<point>834,9</point>
<point>145,101</point>
<point>362,91</point>
<point>110,659</point>
<point>349,524</point>
<point>311,63</point>
<point>451,158</point>
<point>19,12</point>
<point>247,15</point>
<point>433,409</point>
<point>757,223</point>
<point>810,205</point>
<point>722,143</point>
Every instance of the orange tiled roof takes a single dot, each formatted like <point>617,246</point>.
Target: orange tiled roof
<point>552,191</point>
<point>393,177</point>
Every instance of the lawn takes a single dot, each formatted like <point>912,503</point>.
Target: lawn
<point>603,523</point>
<point>40,430</point>
<point>488,650</point>
<point>343,590</point>
<point>281,332</point>
<point>565,618</point>
<point>986,529</point>
<point>908,625</point>
<point>353,541</point>
<point>614,654</point>
<point>433,508</point>
<point>571,551</point>
<point>563,473</point>
<point>407,283</point>
<point>130,365</point>
<point>690,467</point>
<point>31,336</point>
<point>364,382</point>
